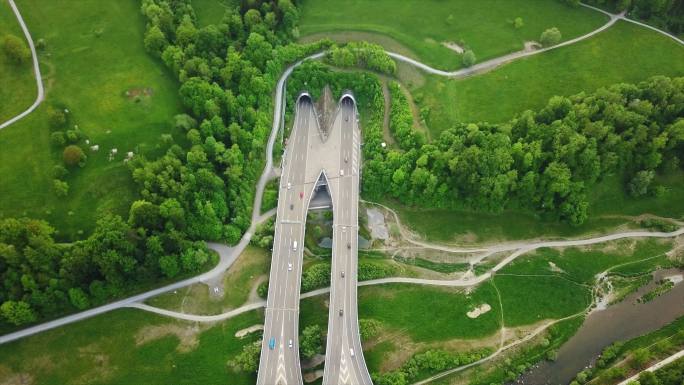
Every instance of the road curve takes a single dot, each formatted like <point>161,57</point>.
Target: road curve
<point>36,69</point>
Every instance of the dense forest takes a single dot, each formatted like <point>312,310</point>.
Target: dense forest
<point>545,160</point>
<point>196,192</point>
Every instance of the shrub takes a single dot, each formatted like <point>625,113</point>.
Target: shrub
<point>248,359</point>
<point>468,58</point>
<point>58,139</point>
<point>56,117</point>
<point>40,44</point>
<point>310,343</point>
<point>640,183</point>
<point>184,122</point>
<point>369,328</point>
<point>15,49</point>
<point>169,265</point>
<point>551,36</point>
<point>78,298</point>
<point>262,290</point>
<point>73,155</point>
<point>73,136</point>
<point>59,172</point>
<point>518,23</point>
<point>60,187</point>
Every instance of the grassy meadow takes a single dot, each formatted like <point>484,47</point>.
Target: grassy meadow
<point>623,53</point>
<point>421,26</point>
<point>93,56</point>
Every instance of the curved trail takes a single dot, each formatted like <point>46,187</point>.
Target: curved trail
<point>496,62</point>
<point>460,282</point>
<point>36,69</point>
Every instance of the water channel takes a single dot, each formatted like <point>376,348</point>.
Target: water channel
<point>620,322</point>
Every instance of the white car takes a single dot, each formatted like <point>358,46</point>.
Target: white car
<point>289,344</point>
<point>289,267</point>
<point>294,246</point>
<point>289,185</point>
<point>351,352</point>
<point>342,172</point>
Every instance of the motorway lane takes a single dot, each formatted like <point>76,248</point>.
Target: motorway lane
<point>344,357</point>
<point>281,366</point>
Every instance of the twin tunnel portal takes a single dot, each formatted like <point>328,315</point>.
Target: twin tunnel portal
<point>320,169</point>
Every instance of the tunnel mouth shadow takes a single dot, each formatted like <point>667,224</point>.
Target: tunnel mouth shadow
<point>321,198</point>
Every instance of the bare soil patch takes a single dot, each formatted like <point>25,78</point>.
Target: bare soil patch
<point>8,377</point>
<point>453,46</point>
<point>101,368</point>
<point>187,334</point>
<point>478,311</point>
<point>139,92</point>
<point>244,332</point>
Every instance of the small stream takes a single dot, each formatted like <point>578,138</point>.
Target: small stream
<point>622,321</point>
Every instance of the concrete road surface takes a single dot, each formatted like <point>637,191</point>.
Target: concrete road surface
<point>344,363</point>
<point>279,362</point>
<point>308,162</point>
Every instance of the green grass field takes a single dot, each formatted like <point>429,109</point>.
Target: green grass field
<point>582,265</point>
<point>422,26</point>
<point>623,53</point>
<point>17,85</point>
<point>131,347</point>
<point>527,300</point>
<point>412,308</point>
<point>465,226</point>
<point>211,11</point>
<point>94,55</point>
